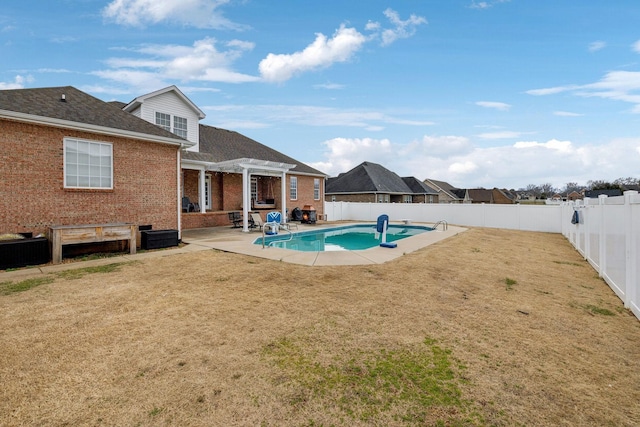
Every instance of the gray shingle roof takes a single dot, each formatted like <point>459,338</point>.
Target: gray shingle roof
<point>368,177</point>
<point>417,186</point>
<point>78,107</point>
<point>218,145</point>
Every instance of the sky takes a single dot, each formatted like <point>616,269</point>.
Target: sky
<point>495,93</point>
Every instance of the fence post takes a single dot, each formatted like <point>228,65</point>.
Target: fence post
<point>630,252</point>
<point>602,240</point>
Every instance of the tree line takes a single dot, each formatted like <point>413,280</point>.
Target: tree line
<point>548,190</point>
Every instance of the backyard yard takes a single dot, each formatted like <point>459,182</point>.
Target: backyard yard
<point>489,327</point>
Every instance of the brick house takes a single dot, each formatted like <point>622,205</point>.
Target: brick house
<point>224,171</point>
<point>69,158</point>
<point>373,183</point>
<point>150,153</point>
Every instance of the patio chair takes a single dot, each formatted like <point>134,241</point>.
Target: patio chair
<point>276,217</point>
<point>187,206</point>
<point>236,218</point>
<point>256,221</point>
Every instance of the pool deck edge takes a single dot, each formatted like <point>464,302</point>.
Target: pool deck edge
<point>242,244</point>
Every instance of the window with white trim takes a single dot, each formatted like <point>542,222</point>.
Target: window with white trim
<point>163,120</point>
<point>87,164</point>
<point>407,198</point>
<point>316,189</point>
<point>180,126</point>
<point>293,188</point>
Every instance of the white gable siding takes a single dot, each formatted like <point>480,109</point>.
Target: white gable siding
<point>136,112</point>
<point>170,103</point>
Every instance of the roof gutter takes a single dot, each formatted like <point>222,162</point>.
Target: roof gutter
<point>102,130</point>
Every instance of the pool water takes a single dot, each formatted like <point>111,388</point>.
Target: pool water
<point>347,238</point>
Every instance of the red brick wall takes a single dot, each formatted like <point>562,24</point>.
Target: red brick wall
<point>305,194</point>
<point>32,196</point>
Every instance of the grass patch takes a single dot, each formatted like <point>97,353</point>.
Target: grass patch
<point>411,386</point>
<point>7,288</point>
<point>81,272</point>
<point>509,282</point>
<point>599,310</point>
<point>568,263</point>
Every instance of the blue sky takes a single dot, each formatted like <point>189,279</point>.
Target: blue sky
<point>495,93</point>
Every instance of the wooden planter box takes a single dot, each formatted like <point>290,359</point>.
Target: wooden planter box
<point>23,252</point>
<point>157,239</point>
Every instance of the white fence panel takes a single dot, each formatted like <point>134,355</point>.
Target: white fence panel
<point>546,218</point>
<point>608,236</point>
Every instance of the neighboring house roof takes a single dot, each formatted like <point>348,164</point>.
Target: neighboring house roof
<point>220,145</point>
<point>368,177</point>
<point>632,187</point>
<point>140,100</point>
<point>596,193</point>
<point>444,187</point>
<point>69,107</point>
<point>418,187</point>
<point>460,193</point>
<point>480,195</point>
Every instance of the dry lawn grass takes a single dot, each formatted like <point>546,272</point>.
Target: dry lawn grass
<point>490,327</point>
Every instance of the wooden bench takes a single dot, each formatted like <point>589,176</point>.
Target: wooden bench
<point>90,233</point>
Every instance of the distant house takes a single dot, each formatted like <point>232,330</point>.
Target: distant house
<point>446,193</point>
<point>373,183</point>
<point>69,159</point>
<point>594,194</point>
<point>574,195</point>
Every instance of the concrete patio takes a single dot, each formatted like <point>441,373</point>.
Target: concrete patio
<point>234,240</point>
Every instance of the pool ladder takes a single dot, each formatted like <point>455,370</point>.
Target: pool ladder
<point>442,222</point>
<point>279,227</point>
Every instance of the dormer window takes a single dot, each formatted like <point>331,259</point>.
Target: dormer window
<point>179,124</point>
<point>164,121</point>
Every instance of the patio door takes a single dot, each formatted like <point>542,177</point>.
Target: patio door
<point>207,191</point>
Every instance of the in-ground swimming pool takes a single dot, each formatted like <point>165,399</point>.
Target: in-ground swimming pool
<point>347,238</point>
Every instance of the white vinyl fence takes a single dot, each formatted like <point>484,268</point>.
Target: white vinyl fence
<point>607,232</point>
<point>516,217</point>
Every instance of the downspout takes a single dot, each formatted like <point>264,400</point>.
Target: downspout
<point>179,192</point>
<point>245,199</point>
<point>283,193</point>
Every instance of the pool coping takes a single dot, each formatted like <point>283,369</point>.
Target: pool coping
<point>242,243</point>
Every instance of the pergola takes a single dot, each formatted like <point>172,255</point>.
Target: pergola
<point>247,167</point>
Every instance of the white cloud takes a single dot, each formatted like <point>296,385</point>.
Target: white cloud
<point>505,134</point>
<point>17,83</point>
<point>596,46</point>
<point>466,166</point>
<point>402,29</point>
<point>616,85</point>
<point>501,106</point>
<point>195,13</point>
<point>202,61</point>
<point>636,46</point>
<point>312,116</point>
<point>344,154</point>
<point>566,114</point>
<point>485,4</point>
<point>329,86</point>
<point>322,53</point>
<point>553,144</point>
